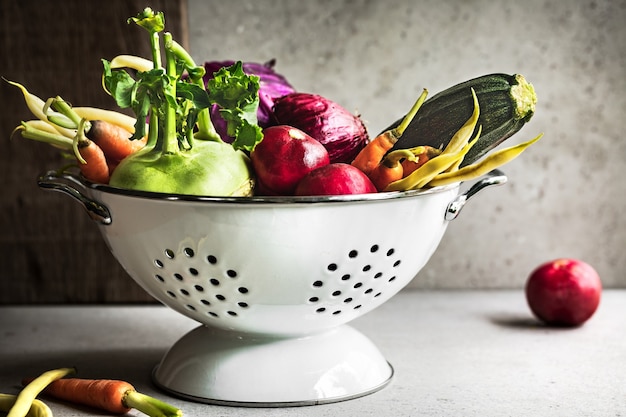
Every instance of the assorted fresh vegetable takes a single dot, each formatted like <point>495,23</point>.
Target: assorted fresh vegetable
<point>229,128</point>
<point>507,103</point>
<point>114,396</point>
<point>118,397</point>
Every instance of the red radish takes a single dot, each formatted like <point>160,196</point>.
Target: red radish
<point>335,179</point>
<point>284,157</point>
<point>564,292</point>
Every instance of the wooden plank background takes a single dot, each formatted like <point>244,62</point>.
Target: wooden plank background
<point>50,251</point>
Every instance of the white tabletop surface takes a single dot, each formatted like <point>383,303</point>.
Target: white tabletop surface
<point>455,353</point>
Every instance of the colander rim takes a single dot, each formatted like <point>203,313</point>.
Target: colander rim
<point>150,195</point>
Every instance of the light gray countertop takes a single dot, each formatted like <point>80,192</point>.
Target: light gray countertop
<point>455,353</point>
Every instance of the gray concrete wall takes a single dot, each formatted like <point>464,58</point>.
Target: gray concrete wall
<point>565,195</point>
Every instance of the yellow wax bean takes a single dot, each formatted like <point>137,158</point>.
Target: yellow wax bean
<point>422,175</point>
<point>37,106</point>
<point>26,397</point>
<point>113,117</point>
<point>37,409</point>
<point>463,135</point>
<point>484,166</point>
<point>132,61</point>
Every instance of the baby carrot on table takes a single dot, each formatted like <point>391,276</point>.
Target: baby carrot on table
<point>111,395</point>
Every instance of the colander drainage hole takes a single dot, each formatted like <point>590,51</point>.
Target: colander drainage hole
<point>188,252</point>
<point>169,253</point>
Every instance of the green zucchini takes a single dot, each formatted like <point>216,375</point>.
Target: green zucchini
<point>507,102</point>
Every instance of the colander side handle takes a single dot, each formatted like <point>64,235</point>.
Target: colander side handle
<point>495,177</point>
<point>69,184</point>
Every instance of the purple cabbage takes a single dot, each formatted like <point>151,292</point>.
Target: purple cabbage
<point>272,86</point>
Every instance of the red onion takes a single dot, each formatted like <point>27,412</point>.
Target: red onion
<point>272,86</point>
<point>341,132</point>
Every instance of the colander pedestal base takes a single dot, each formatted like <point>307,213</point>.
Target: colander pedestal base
<point>231,368</point>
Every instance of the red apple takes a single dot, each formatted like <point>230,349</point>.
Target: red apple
<point>335,179</point>
<point>284,157</point>
<point>563,292</point>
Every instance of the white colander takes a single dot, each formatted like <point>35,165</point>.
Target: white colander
<point>273,282</point>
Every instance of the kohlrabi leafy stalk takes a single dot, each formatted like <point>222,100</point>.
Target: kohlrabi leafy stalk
<point>184,154</point>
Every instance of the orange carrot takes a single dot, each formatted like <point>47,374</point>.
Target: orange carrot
<point>114,396</point>
<point>373,153</point>
<point>114,140</point>
<point>390,169</point>
<point>93,166</point>
<point>92,162</point>
<point>411,165</point>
